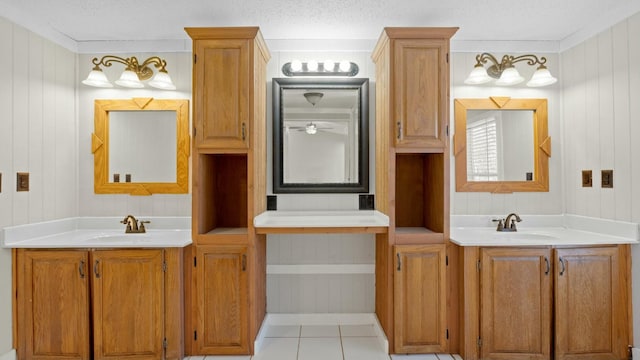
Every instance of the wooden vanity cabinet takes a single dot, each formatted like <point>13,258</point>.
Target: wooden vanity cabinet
<point>420,299</point>
<point>53,304</point>
<point>412,188</point>
<point>226,298</point>
<point>592,299</point>
<point>223,300</point>
<point>515,303</point>
<point>98,304</point>
<point>544,303</point>
<point>224,86</point>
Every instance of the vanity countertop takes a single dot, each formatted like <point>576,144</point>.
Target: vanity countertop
<point>104,232</point>
<point>560,230</point>
<point>367,221</point>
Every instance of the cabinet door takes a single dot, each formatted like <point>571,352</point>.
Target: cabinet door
<point>591,317</point>
<point>223,302</point>
<point>421,93</point>
<point>54,305</point>
<point>515,303</point>
<point>420,299</point>
<point>128,304</point>
<point>221,93</point>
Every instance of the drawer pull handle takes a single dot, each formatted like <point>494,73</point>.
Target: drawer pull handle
<point>244,131</point>
<point>399,135</point>
<point>563,267</point>
<point>399,262</point>
<point>95,268</point>
<point>81,269</point>
<point>244,262</point>
<point>548,266</point>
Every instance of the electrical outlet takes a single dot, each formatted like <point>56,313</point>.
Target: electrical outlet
<point>366,202</point>
<point>272,202</point>
<point>587,178</point>
<point>607,178</point>
<point>22,182</point>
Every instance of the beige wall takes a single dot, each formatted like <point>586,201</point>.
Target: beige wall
<point>601,114</point>
<point>38,134</point>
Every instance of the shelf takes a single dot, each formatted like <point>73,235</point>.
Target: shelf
<point>417,235</point>
<point>321,222</point>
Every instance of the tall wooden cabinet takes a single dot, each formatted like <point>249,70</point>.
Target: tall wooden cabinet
<point>98,304</point>
<point>412,187</point>
<point>227,272</point>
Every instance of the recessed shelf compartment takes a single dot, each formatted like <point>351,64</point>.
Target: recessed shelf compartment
<point>220,194</point>
<point>420,199</point>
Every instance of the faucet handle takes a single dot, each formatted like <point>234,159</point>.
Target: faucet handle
<point>141,226</point>
<point>500,224</point>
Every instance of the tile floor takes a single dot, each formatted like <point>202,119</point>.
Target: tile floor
<point>323,342</point>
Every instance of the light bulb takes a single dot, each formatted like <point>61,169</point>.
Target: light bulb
<point>312,65</point>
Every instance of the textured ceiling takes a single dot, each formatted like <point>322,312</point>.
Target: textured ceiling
<point>492,20</point>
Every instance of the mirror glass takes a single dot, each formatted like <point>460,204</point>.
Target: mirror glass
<point>141,146</point>
<point>501,145</point>
<point>320,135</point>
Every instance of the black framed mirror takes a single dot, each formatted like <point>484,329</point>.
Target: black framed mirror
<point>320,135</point>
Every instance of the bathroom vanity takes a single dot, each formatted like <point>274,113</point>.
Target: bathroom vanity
<point>544,293</point>
<point>87,291</point>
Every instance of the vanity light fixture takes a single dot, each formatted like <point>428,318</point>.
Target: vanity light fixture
<point>506,73</point>
<point>133,74</point>
<point>325,68</point>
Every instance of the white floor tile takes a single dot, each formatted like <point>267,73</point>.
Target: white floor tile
<point>195,358</point>
<point>328,348</point>
<point>282,331</point>
<point>227,357</point>
<point>362,348</point>
<point>445,357</point>
<point>319,331</point>
<point>417,357</point>
<point>357,330</point>
<point>278,349</point>
<point>457,357</point>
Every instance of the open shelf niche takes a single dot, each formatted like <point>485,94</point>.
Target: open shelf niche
<point>419,189</point>
<point>222,194</point>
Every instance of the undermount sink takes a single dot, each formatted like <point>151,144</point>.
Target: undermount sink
<point>523,236</point>
<point>118,238</point>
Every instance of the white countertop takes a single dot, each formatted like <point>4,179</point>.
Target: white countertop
<point>321,219</point>
<point>553,230</point>
<point>106,232</point>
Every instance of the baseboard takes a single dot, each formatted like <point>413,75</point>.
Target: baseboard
<point>11,355</point>
<point>321,319</point>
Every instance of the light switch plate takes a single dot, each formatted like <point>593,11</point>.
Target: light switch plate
<point>587,178</point>
<point>607,178</point>
<point>22,181</point>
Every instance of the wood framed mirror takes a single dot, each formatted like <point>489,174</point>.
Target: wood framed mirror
<point>141,146</point>
<point>501,145</point>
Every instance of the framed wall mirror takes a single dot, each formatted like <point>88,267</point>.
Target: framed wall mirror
<point>320,135</point>
<point>141,146</point>
<point>501,145</point>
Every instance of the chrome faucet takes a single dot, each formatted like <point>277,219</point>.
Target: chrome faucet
<point>508,224</point>
<point>134,226</point>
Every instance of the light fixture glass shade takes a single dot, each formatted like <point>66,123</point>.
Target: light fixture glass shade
<point>510,76</point>
<point>345,65</point>
<point>478,76</point>
<point>296,65</point>
<point>312,65</point>
<point>129,79</point>
<point>97,78</point>
<point>328,65</point>
<point>542,77</point>
<point>311,129</point>
<point>162,81</point>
